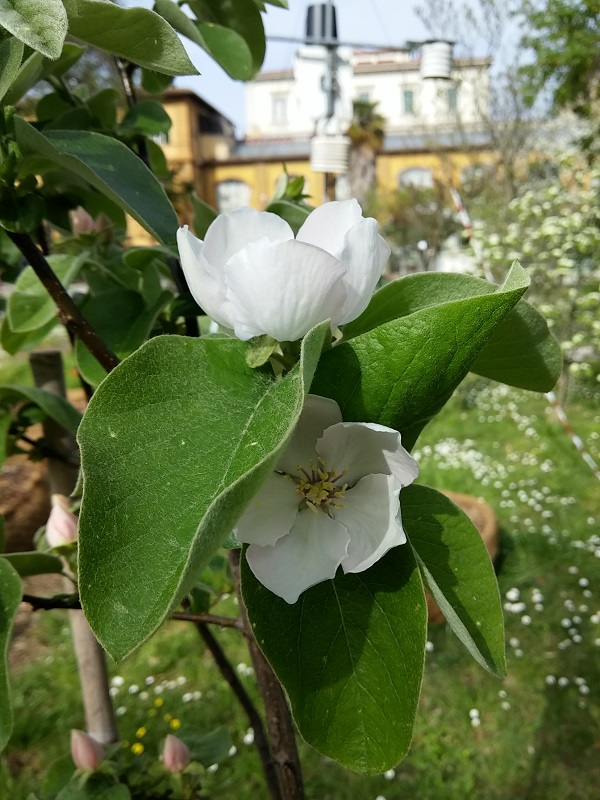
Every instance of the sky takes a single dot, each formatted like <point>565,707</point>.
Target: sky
<point>379,22</point>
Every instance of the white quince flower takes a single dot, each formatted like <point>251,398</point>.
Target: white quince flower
<point>250,273</point>
<point>333,500</point>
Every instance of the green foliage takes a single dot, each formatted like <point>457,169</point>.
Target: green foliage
<point>137,34</point>
<point>458,572</point>
<point>51,404</point>
<point>373,378</point>
<point>34,563</point>
<point>520,352</point>
<point>350,655</point>
<point>166,474</point>
<point>203,216</point>
<point>564,35</point>
<point>11,53</point>
<point>110,167</point>
<point>40,25</point>
<point>10,597</point>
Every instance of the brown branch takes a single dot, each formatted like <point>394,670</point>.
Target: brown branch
<point>279,718</point>
<point>254,718</point>
<point>71,601</point>
<point>69,313</point>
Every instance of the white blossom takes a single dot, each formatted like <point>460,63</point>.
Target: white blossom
<point>251,275</point>
<point>333,500</point>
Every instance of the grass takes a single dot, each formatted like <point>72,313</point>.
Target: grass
<point>533,735</point>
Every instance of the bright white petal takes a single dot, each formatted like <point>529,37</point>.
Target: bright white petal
<point>204,288</point>
<point>283,289</point>
<point>309,554</point>
<point>371,517</point>
<point>327,225</point>
<point>231,232</point>
<point>318,413</point>
<point>364,448</point>
<point>271,514</point>
<point>364,255</point>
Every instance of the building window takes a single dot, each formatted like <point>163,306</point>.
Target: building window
<point>408,102</point>
<point>232,194</point>
<point>419,177</point>
<point>453,99</point>
<point>364,95</point>
<point>279,109</point>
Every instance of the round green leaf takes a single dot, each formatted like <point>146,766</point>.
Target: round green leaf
<point>10,597</point>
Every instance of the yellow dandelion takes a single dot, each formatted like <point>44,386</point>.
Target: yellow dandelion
<point>175,724</point>
<point>168,717</point>
<point>151,712</point>
<point>141,732</point>
<point>159,702</point>
<point>137,749</point>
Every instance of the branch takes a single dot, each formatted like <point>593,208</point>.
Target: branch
<point>71,601</point>
<point>69,313</point>
<point>254,718</point>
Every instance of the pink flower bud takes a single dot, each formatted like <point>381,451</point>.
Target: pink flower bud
<point>81,221</point>
<point>176,755</point>
<point>61,527</point>
<point>85,751</point>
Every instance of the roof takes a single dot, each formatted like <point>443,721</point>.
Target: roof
<point>174,93</point>
<point>299,149</point>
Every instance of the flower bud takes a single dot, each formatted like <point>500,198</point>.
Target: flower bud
<point>176,755</point>
<point>85,751</point>
<point>61,527</point>
<point>81,221</point>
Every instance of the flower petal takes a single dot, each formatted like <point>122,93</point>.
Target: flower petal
<point>204,288</point>
<point>371,516</point>
<point>231,232</point>
<point>309,554</point>
<point>271,513</point>
<point>318,413</point>
<point>327,225</point>
<point>364,255</point>
<point>364,448</point>
<point>283,289</point>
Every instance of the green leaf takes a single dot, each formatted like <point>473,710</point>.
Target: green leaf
<point>110,167</point>
<point>232,32</point>
<point>34,563</point>
<point>136,34</point>
<point>29,73</point>
<point>2,535</point>
<point>121,318</point>
<point>40,25</point>
<point>260,350</point>
<point>10,598</point>
<point>30,307</point>
<point>294,214</point>
<point>521,352</point>
<point>203,216</point>
<point>15,342</point>
<point>155,82</point>
<point>174,444</point>
<point>6,420</point>
<point>209,748</point>
<point>54,406</point>
<point>11,53</point>
<point>458,572</point>
<point>403,372</point>
<point>350,656</point>
<point>147,117</point>
<point>179,20</point>
<point>104,105</point>
<point>96,786</point>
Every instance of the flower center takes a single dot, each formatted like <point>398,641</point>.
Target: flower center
<point>319,488</point>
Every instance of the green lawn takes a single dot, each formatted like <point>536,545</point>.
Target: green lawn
<point>534,735</point>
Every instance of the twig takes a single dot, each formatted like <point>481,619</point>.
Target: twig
<point>279,719</point>
<point>71,601</point>
<point>254,718</point>
<point>69,313</point>
<point>45,449</point>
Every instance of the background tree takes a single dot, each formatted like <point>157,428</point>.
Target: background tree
<point>367,131</point>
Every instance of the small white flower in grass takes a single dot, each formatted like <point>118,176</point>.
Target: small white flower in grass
<point>252,275</point>
<point>248,737</point>
<point>550,680</point>
<point>332,501</point>
<point>133,689</point>
<point>212,768</point>
<point>117,681</point>
<point>562,681</point>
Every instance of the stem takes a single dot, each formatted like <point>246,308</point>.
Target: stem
<point>279,719</point>
<point>260,738</point>
<point>69,313</point>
